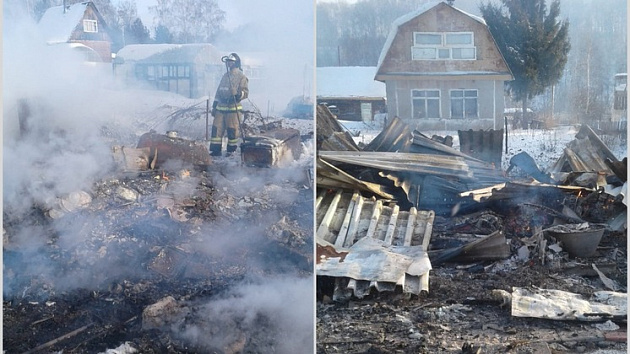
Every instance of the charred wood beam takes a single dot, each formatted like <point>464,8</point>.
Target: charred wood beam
<point>59,339</point>
<point>557,214</point>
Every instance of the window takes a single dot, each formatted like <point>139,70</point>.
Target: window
<point>426,103</point>
<point>443,46</point>
<point>464,104</point>
<point>90,26</point>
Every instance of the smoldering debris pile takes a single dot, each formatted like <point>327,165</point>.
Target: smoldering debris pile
<point>140,257</point>
<point>469,209</point>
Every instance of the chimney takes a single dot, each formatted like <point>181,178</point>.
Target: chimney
<point>450,2</point>
<point>64,6</point>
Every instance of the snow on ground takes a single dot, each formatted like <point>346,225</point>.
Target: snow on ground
<point>546,146</point>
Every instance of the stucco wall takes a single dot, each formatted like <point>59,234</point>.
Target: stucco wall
<point>490,103</point>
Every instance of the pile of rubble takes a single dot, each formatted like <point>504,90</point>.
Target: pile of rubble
<point>161,255</point>
<point>420,247</point>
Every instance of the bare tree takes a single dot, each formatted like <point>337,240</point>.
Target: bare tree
<point>190,21</point>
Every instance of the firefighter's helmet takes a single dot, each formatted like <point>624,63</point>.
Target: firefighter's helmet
<point>235,58</point>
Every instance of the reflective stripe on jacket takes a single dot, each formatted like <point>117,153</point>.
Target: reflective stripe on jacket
<point>234,83</point>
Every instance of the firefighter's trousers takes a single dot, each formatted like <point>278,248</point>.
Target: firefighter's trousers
<point>224,121</point>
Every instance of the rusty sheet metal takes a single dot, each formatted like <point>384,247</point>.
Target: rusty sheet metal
<point>164,148</point>
<point>272,148</point>
<point>485,145</point>
<point>396,239</point>
<point>585,154</point>
<point>132,159</point>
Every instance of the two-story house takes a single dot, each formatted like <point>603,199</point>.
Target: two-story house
<point>443,70</point>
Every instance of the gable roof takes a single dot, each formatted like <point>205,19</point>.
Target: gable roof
<point>401,21</point>
<point>349,81</point>
<point>57,25</point>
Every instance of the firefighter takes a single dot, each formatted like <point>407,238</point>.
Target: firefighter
<point>226,108</point>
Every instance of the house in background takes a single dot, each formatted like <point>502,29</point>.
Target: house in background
<point>81,27</point>
<point>191,70</point>
<point>443,70</point>
<point>350,92</point>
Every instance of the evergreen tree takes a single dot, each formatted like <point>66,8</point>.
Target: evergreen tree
<point>534,42</point>
<point>136,33</point>
<point>163,35</point>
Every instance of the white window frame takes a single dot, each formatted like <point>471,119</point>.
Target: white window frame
<point>463,99</point>
<point>90,26</point>
<point>426,98</point>
<point>443,51</point>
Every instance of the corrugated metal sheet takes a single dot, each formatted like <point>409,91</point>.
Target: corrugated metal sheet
<point>329,176</point>
<point>395,137</point>
<point>486,145</point>
<point>445,166</point>
<point>428,181</point>
<point>382,246</point>
<point>586,153</point>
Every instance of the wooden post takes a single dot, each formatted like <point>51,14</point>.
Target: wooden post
<point>506,135</point>
<point>24,113</point>
<point>207,116</point>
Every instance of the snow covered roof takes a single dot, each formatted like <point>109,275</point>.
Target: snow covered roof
<point>137,52</point>
<point>410,16</point>
<point>349,81</point>
<point>179,52</point>
<point>58,26</point>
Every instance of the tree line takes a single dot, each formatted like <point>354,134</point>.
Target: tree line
<point>563,53</point>
<point>177,21</point>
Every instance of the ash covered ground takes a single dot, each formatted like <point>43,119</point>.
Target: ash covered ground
<point>463,312</point>
<point>179,259</point>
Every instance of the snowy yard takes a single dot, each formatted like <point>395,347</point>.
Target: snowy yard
<point>544,145</point>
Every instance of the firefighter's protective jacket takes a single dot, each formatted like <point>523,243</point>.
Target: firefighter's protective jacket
<point>232,89</point>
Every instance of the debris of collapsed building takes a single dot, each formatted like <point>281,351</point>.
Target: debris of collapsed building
<point>479,212</point>
<point>84,271</point>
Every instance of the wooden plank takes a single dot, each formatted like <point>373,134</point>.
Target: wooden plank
<point>428,230</point>
<point>343,231</point>
<point>411,222</point>
<point>391,227</point>
<point>376,214</point>
<point>354,223</point>
<point>323,231</point>
<point>320,197</point>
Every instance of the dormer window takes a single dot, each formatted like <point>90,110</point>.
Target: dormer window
<point>90,26</point>
<point>443,46</point>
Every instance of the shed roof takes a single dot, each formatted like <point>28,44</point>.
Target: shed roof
<point>349,81</point>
